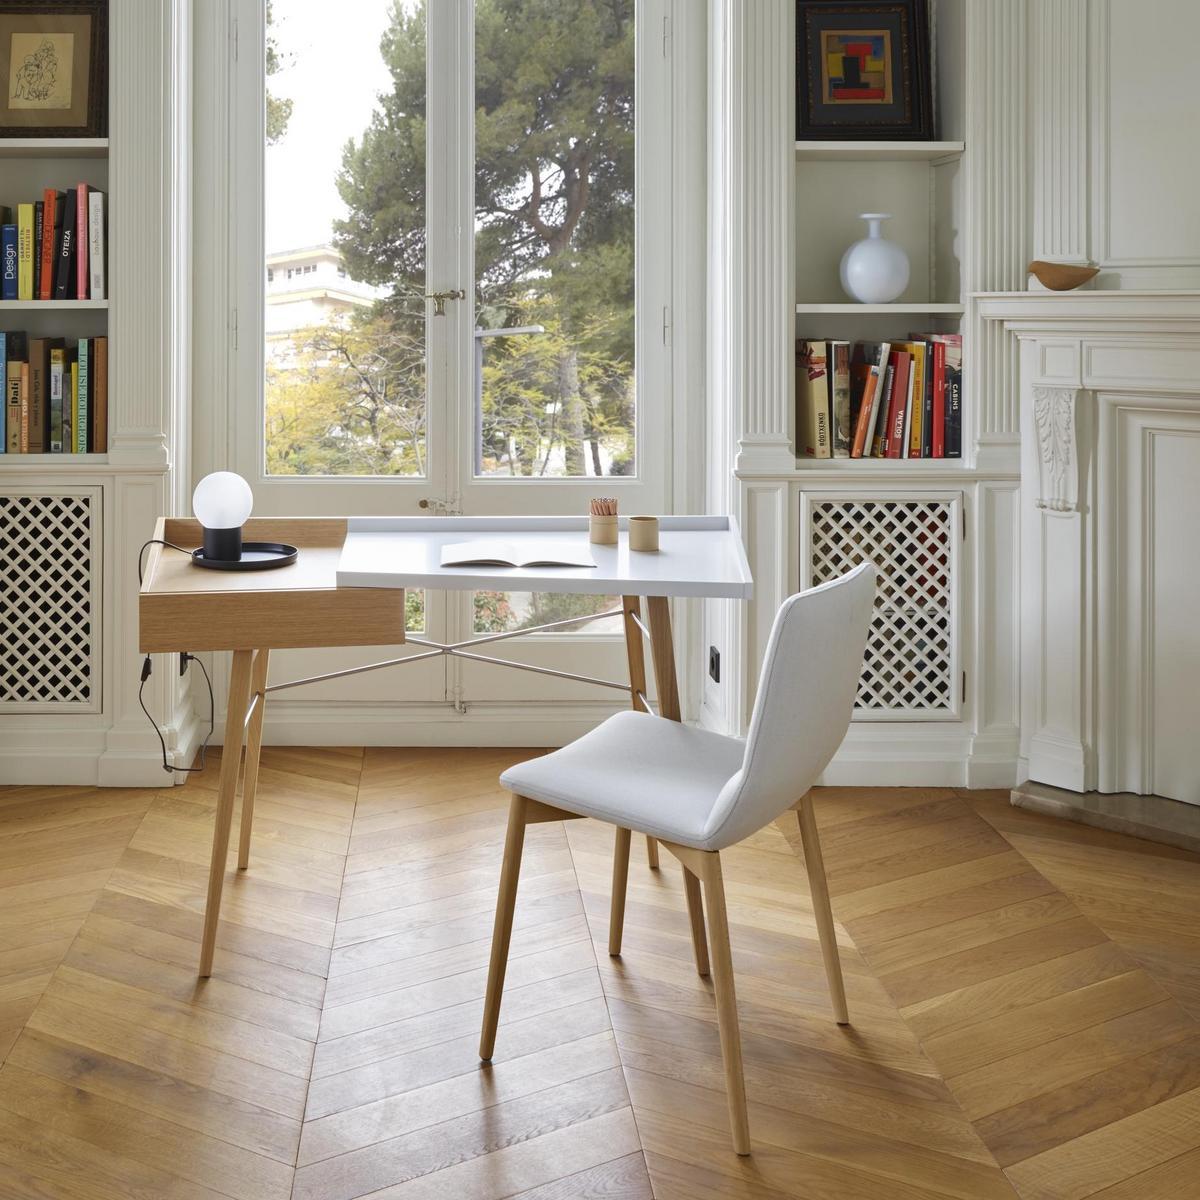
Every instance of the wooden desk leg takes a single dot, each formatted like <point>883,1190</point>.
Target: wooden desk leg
<point>231,761</point>
<point>636,655</point>
<point>258,694</point>
<point>662,647</point>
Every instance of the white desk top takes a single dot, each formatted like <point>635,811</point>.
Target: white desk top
<point>698,556</point>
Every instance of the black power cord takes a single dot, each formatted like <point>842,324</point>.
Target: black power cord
<point>147,667</point>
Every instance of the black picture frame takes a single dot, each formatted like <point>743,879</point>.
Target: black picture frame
<point>56,101</point>
<point>885,89</point>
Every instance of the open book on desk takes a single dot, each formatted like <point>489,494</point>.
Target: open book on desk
<point>491,552</point>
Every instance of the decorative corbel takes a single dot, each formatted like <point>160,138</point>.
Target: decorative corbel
<point>1058,460</point>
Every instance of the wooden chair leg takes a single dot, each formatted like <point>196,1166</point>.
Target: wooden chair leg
<point>258,696</point>
<point>620,881</point>
<point>231,761</point>
<point>815,864</point>
<point>506,902</point>
<point>635,654</point>
<point>727,1015</point>
<point>691,887</point>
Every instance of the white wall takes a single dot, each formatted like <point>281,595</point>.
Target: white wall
<point>1114,172</point>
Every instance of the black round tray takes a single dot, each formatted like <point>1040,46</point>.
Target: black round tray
<point>256,556</point>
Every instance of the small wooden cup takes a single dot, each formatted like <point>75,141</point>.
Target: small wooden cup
<point>643,534</point>
<point>602,531</point>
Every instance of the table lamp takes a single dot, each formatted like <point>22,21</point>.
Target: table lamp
<point>222,501</point>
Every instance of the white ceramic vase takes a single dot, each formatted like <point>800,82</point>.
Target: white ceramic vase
<point>874,270</point>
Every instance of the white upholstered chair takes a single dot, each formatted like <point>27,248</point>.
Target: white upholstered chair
<point>700,792</point>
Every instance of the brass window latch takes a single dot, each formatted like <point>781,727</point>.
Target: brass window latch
<point>439,300</point>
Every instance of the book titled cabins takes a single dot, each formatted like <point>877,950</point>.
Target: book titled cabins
<point>880,399</point>
<point>55,248</point>
<point>55,395</point>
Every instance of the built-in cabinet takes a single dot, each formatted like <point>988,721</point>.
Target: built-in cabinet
<point>1055,123</point>
<point>71,525</point>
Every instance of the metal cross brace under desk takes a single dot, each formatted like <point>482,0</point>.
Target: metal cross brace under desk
<point>347,589</point>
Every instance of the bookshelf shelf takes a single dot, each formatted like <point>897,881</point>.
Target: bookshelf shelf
<point>41,463</point>
<point>919,308</point>
<point>819,151</point>
<point>50,305</point>
<point>53,147</point>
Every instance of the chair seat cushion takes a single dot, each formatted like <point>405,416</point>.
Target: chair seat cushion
<point>638,771</point>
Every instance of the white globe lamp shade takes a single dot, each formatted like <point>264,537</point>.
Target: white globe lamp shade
<point>222,502</point>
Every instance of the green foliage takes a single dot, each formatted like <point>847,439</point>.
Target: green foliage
<point>348,399</point>
<point>279,108</point>
<point>554,245</point>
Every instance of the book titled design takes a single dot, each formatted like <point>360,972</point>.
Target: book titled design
<point>8,262</point>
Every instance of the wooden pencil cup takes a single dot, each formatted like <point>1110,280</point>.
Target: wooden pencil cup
<point>602,530</point>
<point>643,533</point>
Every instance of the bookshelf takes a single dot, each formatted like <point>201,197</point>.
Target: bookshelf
<point>71,524</point>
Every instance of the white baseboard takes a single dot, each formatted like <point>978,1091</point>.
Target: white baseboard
<point>301,723</point>
<point>914,755</point>
<point>49,752</point>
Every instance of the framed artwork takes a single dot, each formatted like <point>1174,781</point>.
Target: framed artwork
<point>863,70</point>
<point>54,68</point>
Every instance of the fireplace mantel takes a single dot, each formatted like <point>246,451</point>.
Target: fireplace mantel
<point>1110,538</point>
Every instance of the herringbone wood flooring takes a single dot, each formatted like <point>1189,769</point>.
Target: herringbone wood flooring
<point>1025,998</point>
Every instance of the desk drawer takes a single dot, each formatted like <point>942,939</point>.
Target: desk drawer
<point>277,620</point>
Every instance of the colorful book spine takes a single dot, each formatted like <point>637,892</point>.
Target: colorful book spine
<point>100,392</point>
<point>876,354</point>
<point>51,230</point>
<point>38,222</point>
<point>23,418</point>
<point>3,392</point>
<point>83,384</point>
<point>74,406</point>
<point>24,251</point>
<point>812,399</point>
<point>839,391</point>
<point>58,360</point>
<point>38,400</point>
<point>81,241</point>
<point>939,399</point>
<point>64,268</point>
<point>901,362</point>
<point>12,406</point>
<point>98,282</point>
<point>8,262</point>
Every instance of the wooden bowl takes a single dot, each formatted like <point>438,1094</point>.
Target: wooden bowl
<point>1060,277</point>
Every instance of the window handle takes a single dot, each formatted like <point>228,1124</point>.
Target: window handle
<point>439,300</point>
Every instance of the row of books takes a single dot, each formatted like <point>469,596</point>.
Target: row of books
<point>881,400</point>
<point>54,250</point>
<point>55,395</point>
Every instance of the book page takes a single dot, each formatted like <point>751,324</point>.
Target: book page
<point>494,552</point>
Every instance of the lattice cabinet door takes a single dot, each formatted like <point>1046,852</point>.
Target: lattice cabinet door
<point>50,548</point>
<point>911,671</point>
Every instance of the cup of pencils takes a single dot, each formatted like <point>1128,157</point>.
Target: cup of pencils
<point>602,522</point>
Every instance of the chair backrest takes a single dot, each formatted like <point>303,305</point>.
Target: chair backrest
<point>805,699</point>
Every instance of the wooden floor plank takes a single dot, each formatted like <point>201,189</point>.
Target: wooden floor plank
<point>1024,995</point>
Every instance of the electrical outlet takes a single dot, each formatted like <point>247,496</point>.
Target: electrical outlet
<point>183,661</point>
<point>714,664</point>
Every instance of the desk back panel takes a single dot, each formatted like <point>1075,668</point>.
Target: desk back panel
<point>184,607</point>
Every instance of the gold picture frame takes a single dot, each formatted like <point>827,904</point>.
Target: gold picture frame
<point>53,69</point>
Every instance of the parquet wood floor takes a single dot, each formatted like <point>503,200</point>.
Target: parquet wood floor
<point>1025,998</point>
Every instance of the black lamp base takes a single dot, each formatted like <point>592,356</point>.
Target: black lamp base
<point>256,556</point>
<point>223,544</point>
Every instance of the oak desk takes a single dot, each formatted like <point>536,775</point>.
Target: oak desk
<point>347,589</point>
